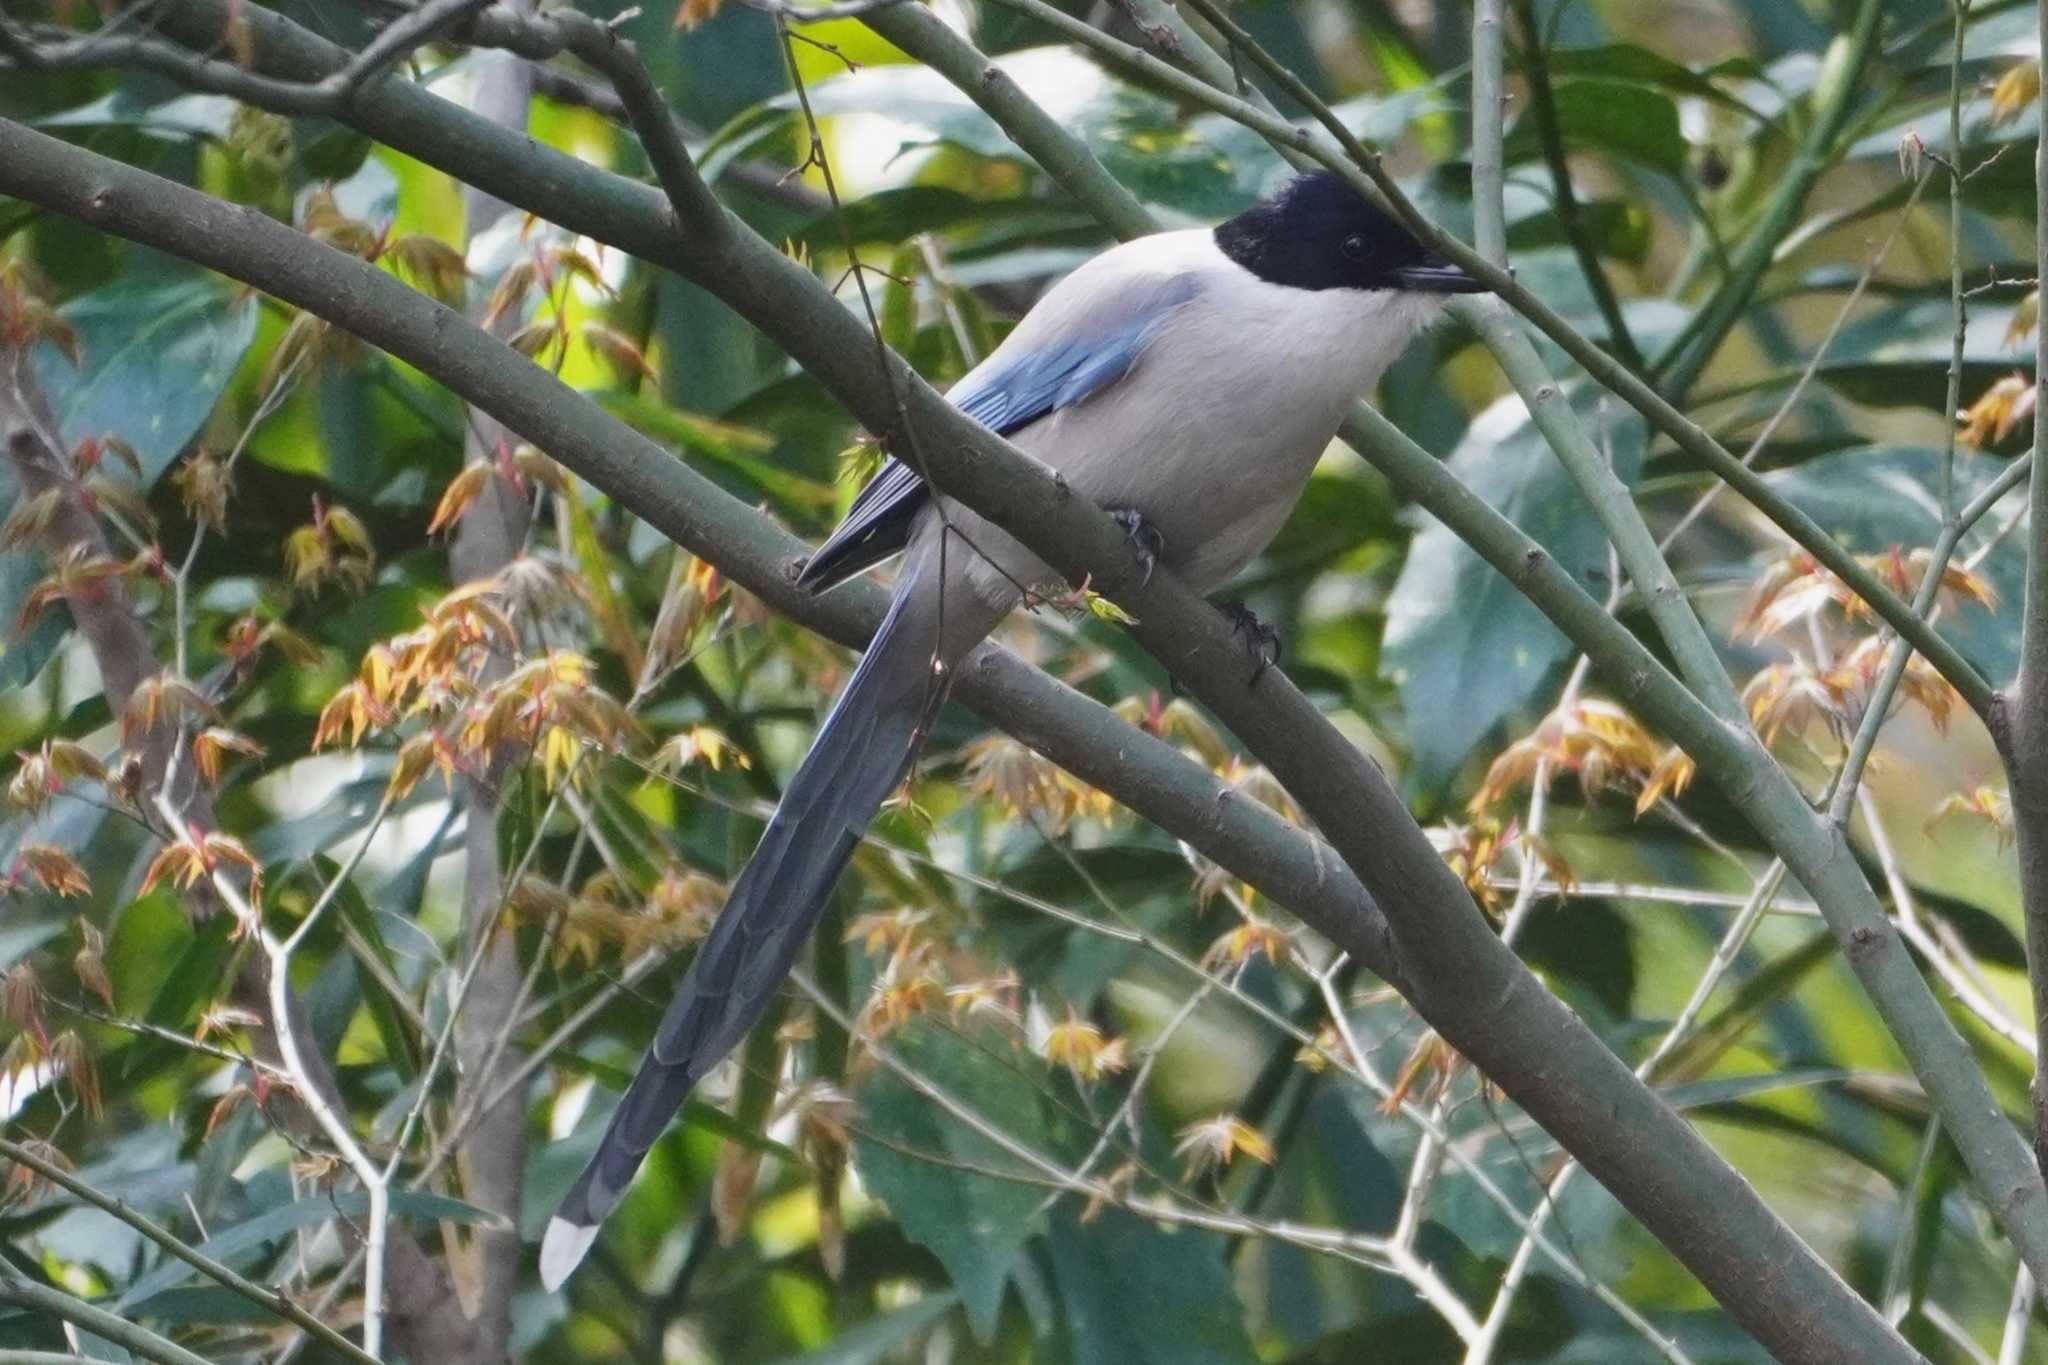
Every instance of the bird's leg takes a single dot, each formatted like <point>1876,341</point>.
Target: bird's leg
<point>1146,542</point>
<point>1261,641</point>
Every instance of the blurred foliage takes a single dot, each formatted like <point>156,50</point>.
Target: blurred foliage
<point>1066,1092</point>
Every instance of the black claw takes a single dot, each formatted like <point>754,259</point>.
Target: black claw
<point>1146,542</point>
<point>1261,641</point>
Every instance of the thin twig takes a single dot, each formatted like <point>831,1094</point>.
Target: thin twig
<point>278,975</point>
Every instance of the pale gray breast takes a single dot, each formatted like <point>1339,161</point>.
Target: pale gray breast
<point>1217,427</point>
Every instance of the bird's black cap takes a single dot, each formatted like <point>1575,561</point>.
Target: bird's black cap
<point>1317,232</point>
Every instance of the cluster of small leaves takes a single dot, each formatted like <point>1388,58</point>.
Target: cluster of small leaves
<point>1796,596</point>
<point>605,915</point>
<point>469,693</point>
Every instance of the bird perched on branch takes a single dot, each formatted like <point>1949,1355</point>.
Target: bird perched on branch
<point>1187,381</point>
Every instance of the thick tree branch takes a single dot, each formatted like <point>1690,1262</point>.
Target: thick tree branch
<point>1462,978</point>
<point>289,54</point>
<point>1760,788</point>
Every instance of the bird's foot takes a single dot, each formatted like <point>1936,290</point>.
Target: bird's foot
<point>1146,542</point>
<point>1261,641</point>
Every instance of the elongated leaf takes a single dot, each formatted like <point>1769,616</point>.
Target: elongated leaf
<point>1629,63</point>
<point>22,656</point>
<point>390,1022</point>
<point>186,116</point>
<point>736,448</point>
<point>1631,121</point>
<point>229,1243</point>
<point>1752,1000</point>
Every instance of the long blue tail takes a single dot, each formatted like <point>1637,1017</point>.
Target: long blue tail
<point>859,756</point>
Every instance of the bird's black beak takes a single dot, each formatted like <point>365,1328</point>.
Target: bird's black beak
<point>1437,277</point>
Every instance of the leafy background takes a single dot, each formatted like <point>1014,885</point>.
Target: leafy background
<point>1089,990</point>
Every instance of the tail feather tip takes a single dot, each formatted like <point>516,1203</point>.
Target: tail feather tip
<point>562,1250</point>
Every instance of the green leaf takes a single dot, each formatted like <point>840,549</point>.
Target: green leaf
<point>17,941</point>
<point>160,344</point>
<point>347,809</point>
<point>1726,1089</point>
<point>1204,167</point>
<point>231,1242</point>
<point>22,656</point>
<point>1630,121</point>
<point>197,974</point>
<point>1465,648</point>
<point>737,448</point>
<point>975,1224</point>
<point>1619,228</point>
<point>385,1014</point>
<point>1899,355</point>
<point>1630,64</point>
<point>1756,997</point>
<point>873,1340</point>
<point>1138,1294</point>
<point>895,215</point>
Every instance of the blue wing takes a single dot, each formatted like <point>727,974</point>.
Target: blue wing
<point>1029,376</point>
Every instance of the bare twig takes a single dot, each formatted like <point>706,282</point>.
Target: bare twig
<point>278,955</point>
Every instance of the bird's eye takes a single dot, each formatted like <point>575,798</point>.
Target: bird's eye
<point>1354,247</point>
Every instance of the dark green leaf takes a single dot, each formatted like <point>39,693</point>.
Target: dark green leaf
<point>975,1224</point>
<point>1466,649</point>
<point>228,1243</point>
<point>1138,1294</point>
<point>1631,121</point>
<point>186,116</point>
<point>1628,63</point>
<point>160,344</point>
